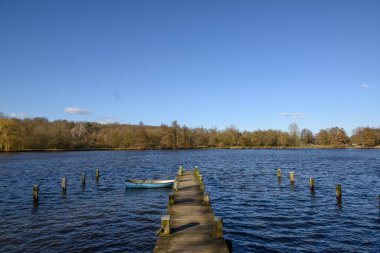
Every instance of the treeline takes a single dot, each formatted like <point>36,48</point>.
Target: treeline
<point>41,134</point>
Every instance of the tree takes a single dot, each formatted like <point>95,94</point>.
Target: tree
<point>307,136</point>
<point>294,134</point>
<point>258,138</point>
<point>369,137</point>
<point>338,137</point>
<point>322,137</point>
<point>230,136</point>
<point>174,134</point>
<point>9,134</point>
<point>140,136</point>
<point>283,139</point>
<point>78,134</point>
<point>245,139</point>
<point>166,140</point>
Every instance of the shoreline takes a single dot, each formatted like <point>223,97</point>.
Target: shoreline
<point>197,148</point>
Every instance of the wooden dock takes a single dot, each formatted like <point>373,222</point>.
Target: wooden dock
<point>190,224</point>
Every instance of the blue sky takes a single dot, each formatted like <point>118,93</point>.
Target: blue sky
<point>254,64</point>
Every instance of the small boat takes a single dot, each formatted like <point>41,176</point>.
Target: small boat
<point>135,183</point>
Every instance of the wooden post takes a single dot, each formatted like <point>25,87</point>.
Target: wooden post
<point>196,171</point>
<point>218,227</point>
<point>312,184</point>
<point>171,198</point>
<point>97,175</point>
<point>338,193</point>
<point>279,173</point>
<point>379,201</point>
<point>292,177</point>
<point>35,193</point>
<point>165,225</point>
<point>175,185</point>
<point>202,187</point>
<point>199,178</point>
<point>180,171</point>
<point>206,198</point>
<point>83,179</point>
<point>64,184</point>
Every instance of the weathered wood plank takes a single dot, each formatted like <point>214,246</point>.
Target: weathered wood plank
<point>191,221</point>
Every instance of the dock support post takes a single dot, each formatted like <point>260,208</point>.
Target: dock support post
<point>196,171</point>
<point>292,177</point>
<point>202,187</point>
<point>97,175</point>
<point>312,184</point>
<point>218,227</point>
<point>175,185</point>
<point>279,173</point>
<point>180,171</point>
<point>35,194</point>
<point>64,184</point>
<point>379,201</point>
<point>171,198</point>
<point>338,193</point>
<point>83,179</point>
<point>199,178</point>
<point>206,198</point>
<point>165,225</point>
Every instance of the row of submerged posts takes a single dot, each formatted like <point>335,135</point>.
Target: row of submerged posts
<point>36,187</point>
<point>338,188</point>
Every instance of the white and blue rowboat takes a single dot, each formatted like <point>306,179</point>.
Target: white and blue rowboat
<point>135,183</point>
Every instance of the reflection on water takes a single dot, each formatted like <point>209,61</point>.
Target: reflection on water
<point>260,212</point>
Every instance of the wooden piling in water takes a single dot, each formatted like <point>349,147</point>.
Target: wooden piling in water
<point>292,177</point>
<point>83,179</point>
<point>202,187</point>
<point>199,178</point>
<point>35,193</point>
<point>64,184</point>
<point>171,198</point>
<point>312,184</point>
<point>206,198</point>
<point>196,171</point>
<point>218,227</point>
<point>379,201</point>
<point>165,225</point>
<point>180,171</point>
<point>338,193</point>
<point>279,173</point>
<point>97,175</point>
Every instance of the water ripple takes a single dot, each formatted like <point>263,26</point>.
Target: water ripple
<point>260,213</point>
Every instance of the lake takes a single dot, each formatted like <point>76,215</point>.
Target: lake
<point>260,213</point>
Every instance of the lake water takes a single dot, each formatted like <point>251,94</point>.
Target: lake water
<point>260,213</point>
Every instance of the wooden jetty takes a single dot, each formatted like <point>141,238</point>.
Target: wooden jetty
<point>190,224</point>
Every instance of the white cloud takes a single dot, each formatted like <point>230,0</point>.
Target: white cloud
<point>77,111</point>
<point>293,115</point>
<point>18,115</point>
<point>108,120</point>
<point>364,85</point>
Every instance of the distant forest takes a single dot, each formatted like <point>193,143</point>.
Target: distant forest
<point>41,134</point>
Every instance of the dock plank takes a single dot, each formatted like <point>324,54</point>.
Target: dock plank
<point>191,222</point>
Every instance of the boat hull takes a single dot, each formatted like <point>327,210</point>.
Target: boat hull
<point>148,183</point>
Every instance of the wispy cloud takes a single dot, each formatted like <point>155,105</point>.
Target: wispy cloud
<point>364,85</point>
<point>18,115</point>
<point>293,115</point>
<point>109,120</point>
<point>77,111</point>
